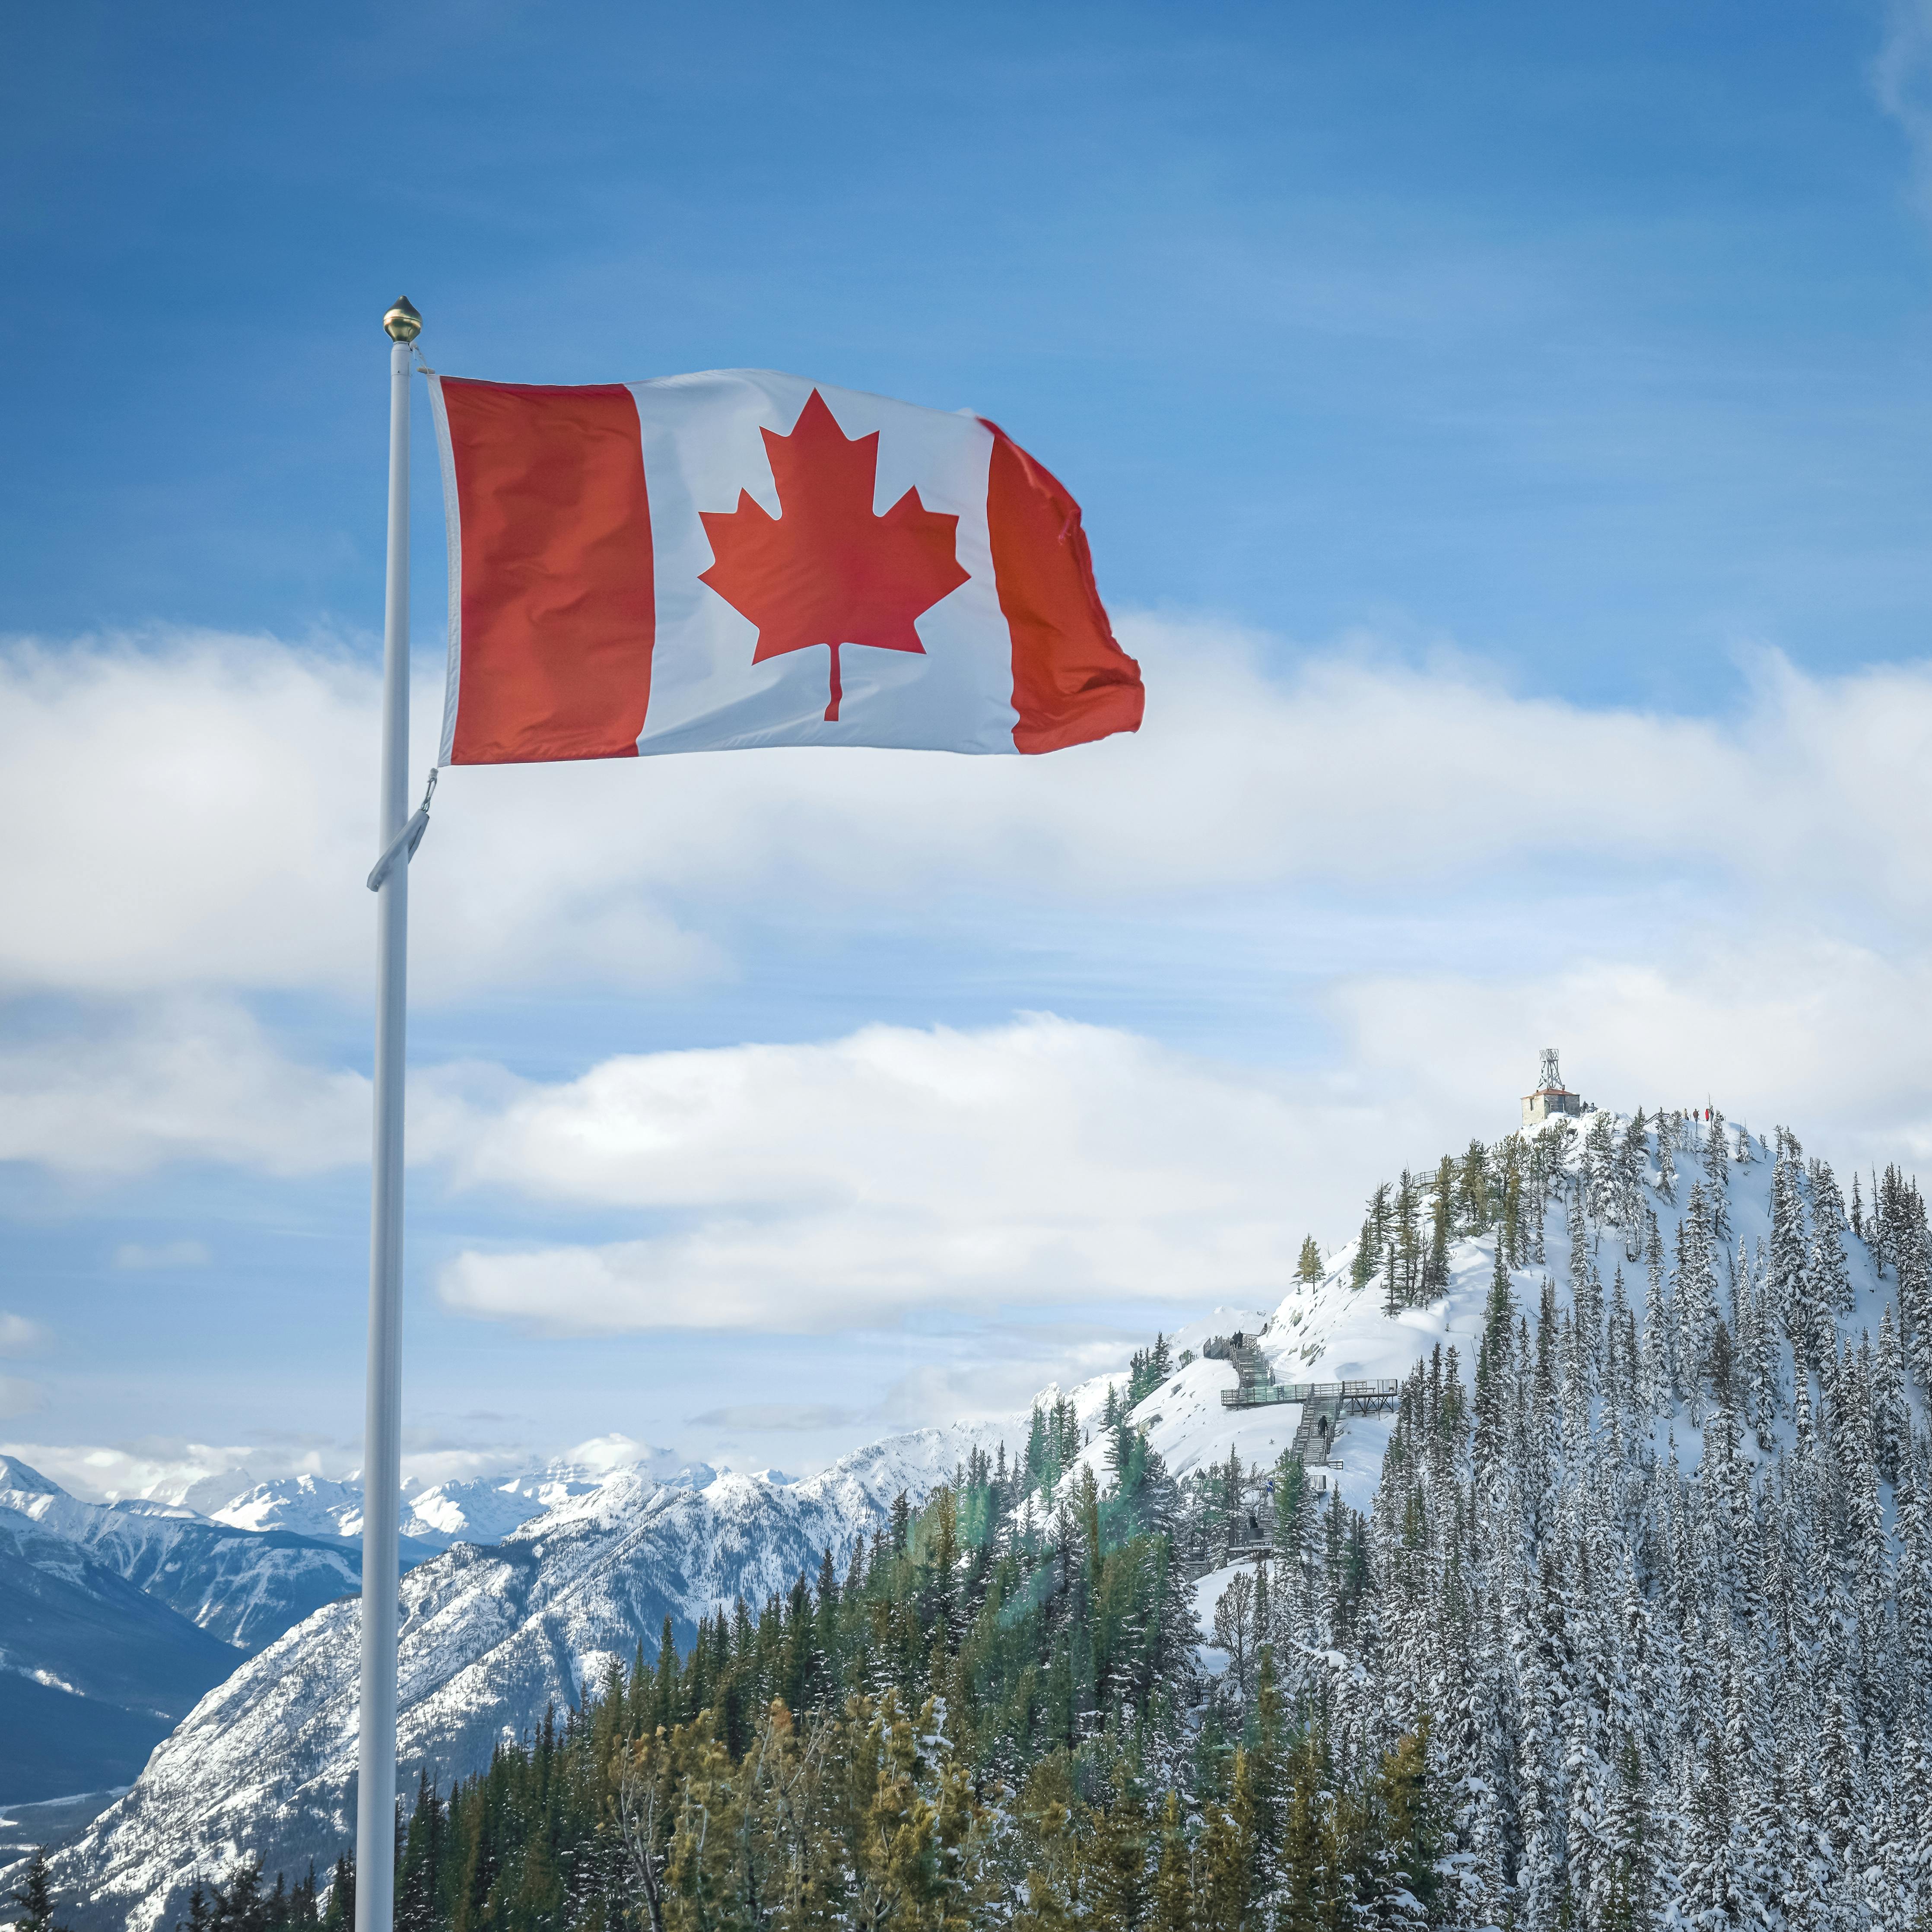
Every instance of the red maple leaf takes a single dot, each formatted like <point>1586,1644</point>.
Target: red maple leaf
<point>826,570</point>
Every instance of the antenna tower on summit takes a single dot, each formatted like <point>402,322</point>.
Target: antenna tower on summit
<point>1551,1097</point>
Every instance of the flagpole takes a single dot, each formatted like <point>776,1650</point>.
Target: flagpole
<point>381,1440</point>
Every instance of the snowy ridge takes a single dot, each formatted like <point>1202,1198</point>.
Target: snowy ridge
<point>1332,1330</point>
<point>480,1509</point>
<point>244,1588</point>
<point>266,1559</point>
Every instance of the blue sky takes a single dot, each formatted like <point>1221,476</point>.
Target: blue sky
<point>1591,344</point>
<point>1501,429</point>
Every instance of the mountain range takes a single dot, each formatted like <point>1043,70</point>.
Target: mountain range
<point>492,1638</point>
<point>116,1618</point>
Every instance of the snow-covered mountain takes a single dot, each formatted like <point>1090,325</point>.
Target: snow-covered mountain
<point>490,1638</point>
<point>306,1505</point>
<point>476,1509</point>
<point>257,1563</point>
<point>589,1566</point>
<point>485,1509</point>
<point>242,1587</point>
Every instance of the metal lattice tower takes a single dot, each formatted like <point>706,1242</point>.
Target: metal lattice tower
<point>1548,1076</point>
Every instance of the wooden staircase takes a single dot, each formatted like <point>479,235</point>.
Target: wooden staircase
<point>1320,1424</point>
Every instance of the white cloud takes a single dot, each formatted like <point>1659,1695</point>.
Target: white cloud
<point>820,1186</point>
<point>136,1255</point>
<point>175,1080</point>
<point>182,815</point>
<point>224,824</point>
<point>766,1418</point>
<point>1331,800</point>
<point>165,1469</point>
<point>1796,1028</point>
<point>20,1336</point>
<point>809,1188</point>
<point>1001,1379</point>
<point>617,1451</point>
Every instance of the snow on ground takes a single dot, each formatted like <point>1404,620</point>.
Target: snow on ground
<point>1208,1590</point>
<point>308,1505</point>
<point>1187,1427</point>
<point>1328,1330</point>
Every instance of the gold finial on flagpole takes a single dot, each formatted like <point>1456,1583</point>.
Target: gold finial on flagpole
<point>402,322</point>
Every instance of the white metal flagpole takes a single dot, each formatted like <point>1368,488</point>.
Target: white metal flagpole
<point>381,1449</point>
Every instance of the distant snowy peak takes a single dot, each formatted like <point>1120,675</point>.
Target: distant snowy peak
<point>243,1586</point>
<point>18,1477</point>
<point>306,1505</point>
<point>485,1509</point>
<point>464,1509</point>
<point>205,1494</point>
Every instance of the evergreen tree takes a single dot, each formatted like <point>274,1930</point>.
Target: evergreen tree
<point>1475,1192</point>
<point>1694,1297</point>
<point>1172,1904</point>
<point>1556,1678</point>
<point>1717,1176</point>
<point>1829,1275</point>
<point>1435,1265</point>
<point>1788,1291</point>
<point>1374,1238</point>
<point>1891,1414</point>
<point>1660,1377</point>
<point>32,1897</point>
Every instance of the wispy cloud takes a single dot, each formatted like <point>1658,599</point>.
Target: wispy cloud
<point>1656,888</point>
<point>1902,79</point>
<point>756,1417</point>
<point>18,1396</point>
<point>20,1336</point>
<point>840,1184</point>
<point>126,1088</point>
<point>136,1255</point>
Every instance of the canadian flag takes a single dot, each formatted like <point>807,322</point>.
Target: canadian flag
<point>714,561</point>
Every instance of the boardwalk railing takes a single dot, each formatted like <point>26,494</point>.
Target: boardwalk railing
<point>1362,1396</point>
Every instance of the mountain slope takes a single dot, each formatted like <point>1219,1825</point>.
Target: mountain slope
<point>490,1638</point>
<point>93,1673</point>
<point>243,1587</point>
<point>272,1557</point>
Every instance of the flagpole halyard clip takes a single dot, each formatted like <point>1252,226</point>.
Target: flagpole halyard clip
<point>403,847</point>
